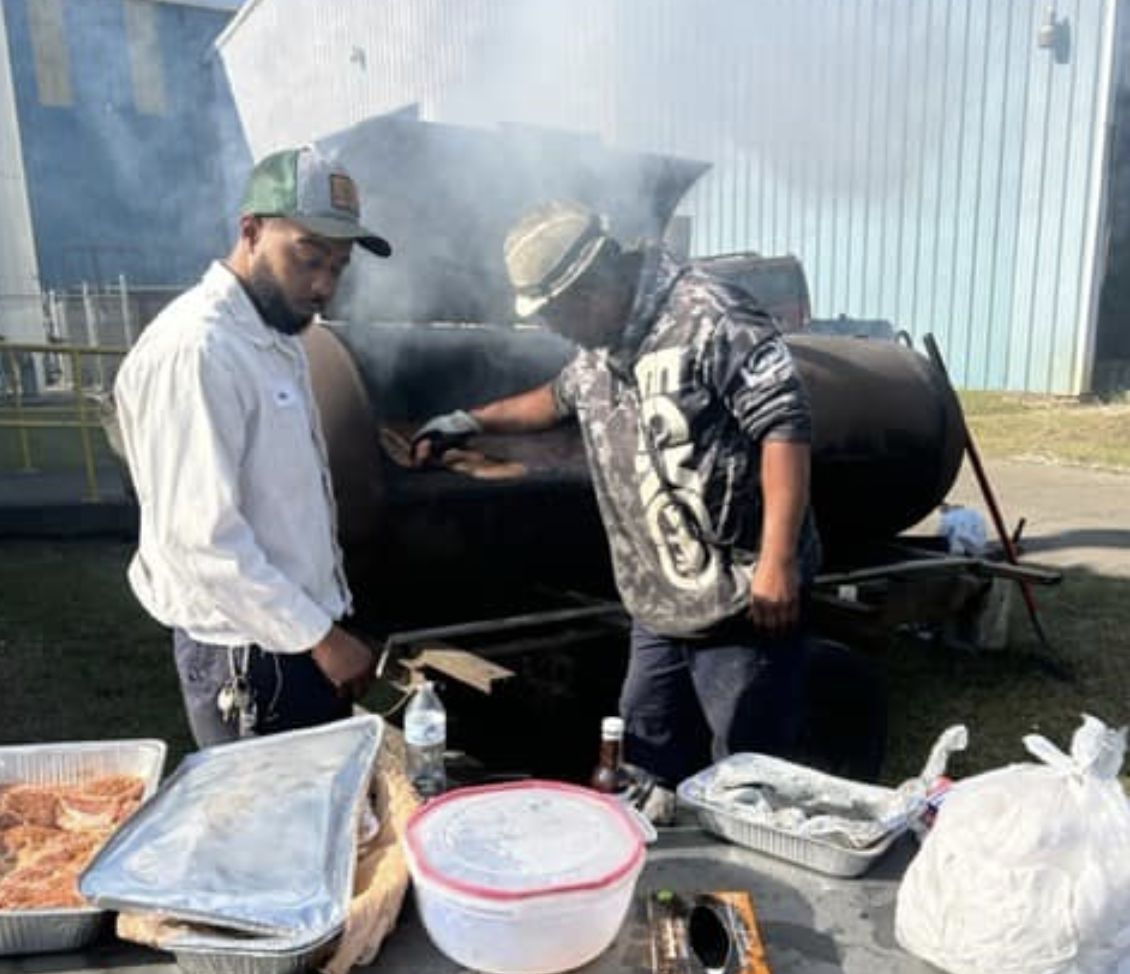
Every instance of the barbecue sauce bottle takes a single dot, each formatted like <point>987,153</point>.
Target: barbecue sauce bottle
<point>610,776</point>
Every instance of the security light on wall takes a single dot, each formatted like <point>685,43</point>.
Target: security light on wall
<point>1054,34</point>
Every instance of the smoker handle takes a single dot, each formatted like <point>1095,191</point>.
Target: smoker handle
<point>926,566</point>
<point>488,626</point>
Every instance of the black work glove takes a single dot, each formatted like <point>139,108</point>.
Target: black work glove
<point>441,433</point>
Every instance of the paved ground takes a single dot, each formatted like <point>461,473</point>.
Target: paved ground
<point>62,505</point>
<point>1074,516</point>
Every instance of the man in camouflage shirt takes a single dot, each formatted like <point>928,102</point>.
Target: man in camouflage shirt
<point>696,427</point>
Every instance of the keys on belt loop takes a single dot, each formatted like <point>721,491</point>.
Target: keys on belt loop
<point>235,700</point>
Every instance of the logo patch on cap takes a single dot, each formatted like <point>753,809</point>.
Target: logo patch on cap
<point>343,194</point>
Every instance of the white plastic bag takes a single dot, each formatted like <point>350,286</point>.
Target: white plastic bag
<point>1027,869</point>
<point>964,529</point>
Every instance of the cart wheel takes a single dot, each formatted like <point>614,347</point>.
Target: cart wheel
<point>844,729</point>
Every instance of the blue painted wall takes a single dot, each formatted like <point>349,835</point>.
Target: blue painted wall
<point>115,189</point>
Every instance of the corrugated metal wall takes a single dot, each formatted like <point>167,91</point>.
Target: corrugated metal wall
<point>300,69</point>
<point>927,159</point>
<point>20,316</point>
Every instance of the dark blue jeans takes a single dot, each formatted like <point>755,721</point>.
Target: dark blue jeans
<point>290,691</point>
<point>689,702</point>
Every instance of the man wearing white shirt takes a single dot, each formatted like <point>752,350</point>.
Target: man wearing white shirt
<point>237,550</point>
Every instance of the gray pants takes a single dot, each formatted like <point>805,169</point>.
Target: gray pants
<point>289,690</point>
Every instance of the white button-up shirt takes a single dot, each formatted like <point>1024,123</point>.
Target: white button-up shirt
<point>238,525</point>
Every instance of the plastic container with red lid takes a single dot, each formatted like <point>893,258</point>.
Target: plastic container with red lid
<point>531,877</point>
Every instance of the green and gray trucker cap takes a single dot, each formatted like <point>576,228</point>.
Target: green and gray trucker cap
<point>549,249</point>
<point>313,191</point>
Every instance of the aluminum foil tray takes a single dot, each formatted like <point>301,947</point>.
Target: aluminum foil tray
<point>255,836</point>
<point>812,853</point>
<point>202,954</point>
<point>46,931</point>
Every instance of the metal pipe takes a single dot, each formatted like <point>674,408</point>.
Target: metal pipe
<point>487,626</point>
<point>922,566</point>
<point>84,432</point>
<point>127,323</point>
<point>17,383</point>
<point>92,333</point>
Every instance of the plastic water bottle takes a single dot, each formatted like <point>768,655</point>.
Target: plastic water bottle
<point>425,740</point>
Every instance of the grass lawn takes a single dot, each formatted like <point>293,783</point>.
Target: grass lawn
<point>1002,696</point>
<point>79,658</point>
<point>1051,430</point>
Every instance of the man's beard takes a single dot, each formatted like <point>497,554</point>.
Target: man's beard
<point>268,297</point>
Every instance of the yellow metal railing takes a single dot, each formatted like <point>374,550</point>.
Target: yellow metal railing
<point>72,406</point>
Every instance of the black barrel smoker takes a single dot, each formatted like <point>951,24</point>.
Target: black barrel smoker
<point>887,450</point>
<point>441,550</point>
<point>436,548</point>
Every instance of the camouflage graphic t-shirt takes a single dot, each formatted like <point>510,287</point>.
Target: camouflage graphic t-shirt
<point>673,422</point>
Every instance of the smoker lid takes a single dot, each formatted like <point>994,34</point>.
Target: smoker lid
<point>446,195</point>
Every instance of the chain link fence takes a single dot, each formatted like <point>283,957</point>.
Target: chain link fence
<point>59,355</point>
<point>97,317</point>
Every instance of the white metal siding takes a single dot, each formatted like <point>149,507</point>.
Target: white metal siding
<point>925,158</point>
<point>300,69</point>
<point>20,315</point>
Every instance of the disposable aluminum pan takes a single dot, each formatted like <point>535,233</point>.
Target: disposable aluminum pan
<point>46,931</point>
<point>255,836</point>
<point>809,851</point>
<point>251,955</point>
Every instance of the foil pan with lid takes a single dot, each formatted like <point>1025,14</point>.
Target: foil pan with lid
<point>204,953</point>
<point>257,835</point>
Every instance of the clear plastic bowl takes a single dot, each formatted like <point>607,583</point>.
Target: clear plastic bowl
<point>534,877</point>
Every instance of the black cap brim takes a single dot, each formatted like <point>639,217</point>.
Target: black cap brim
<point>377,246</point>
<point>334,228</point>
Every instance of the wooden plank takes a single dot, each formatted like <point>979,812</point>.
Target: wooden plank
<point>458,664</point>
